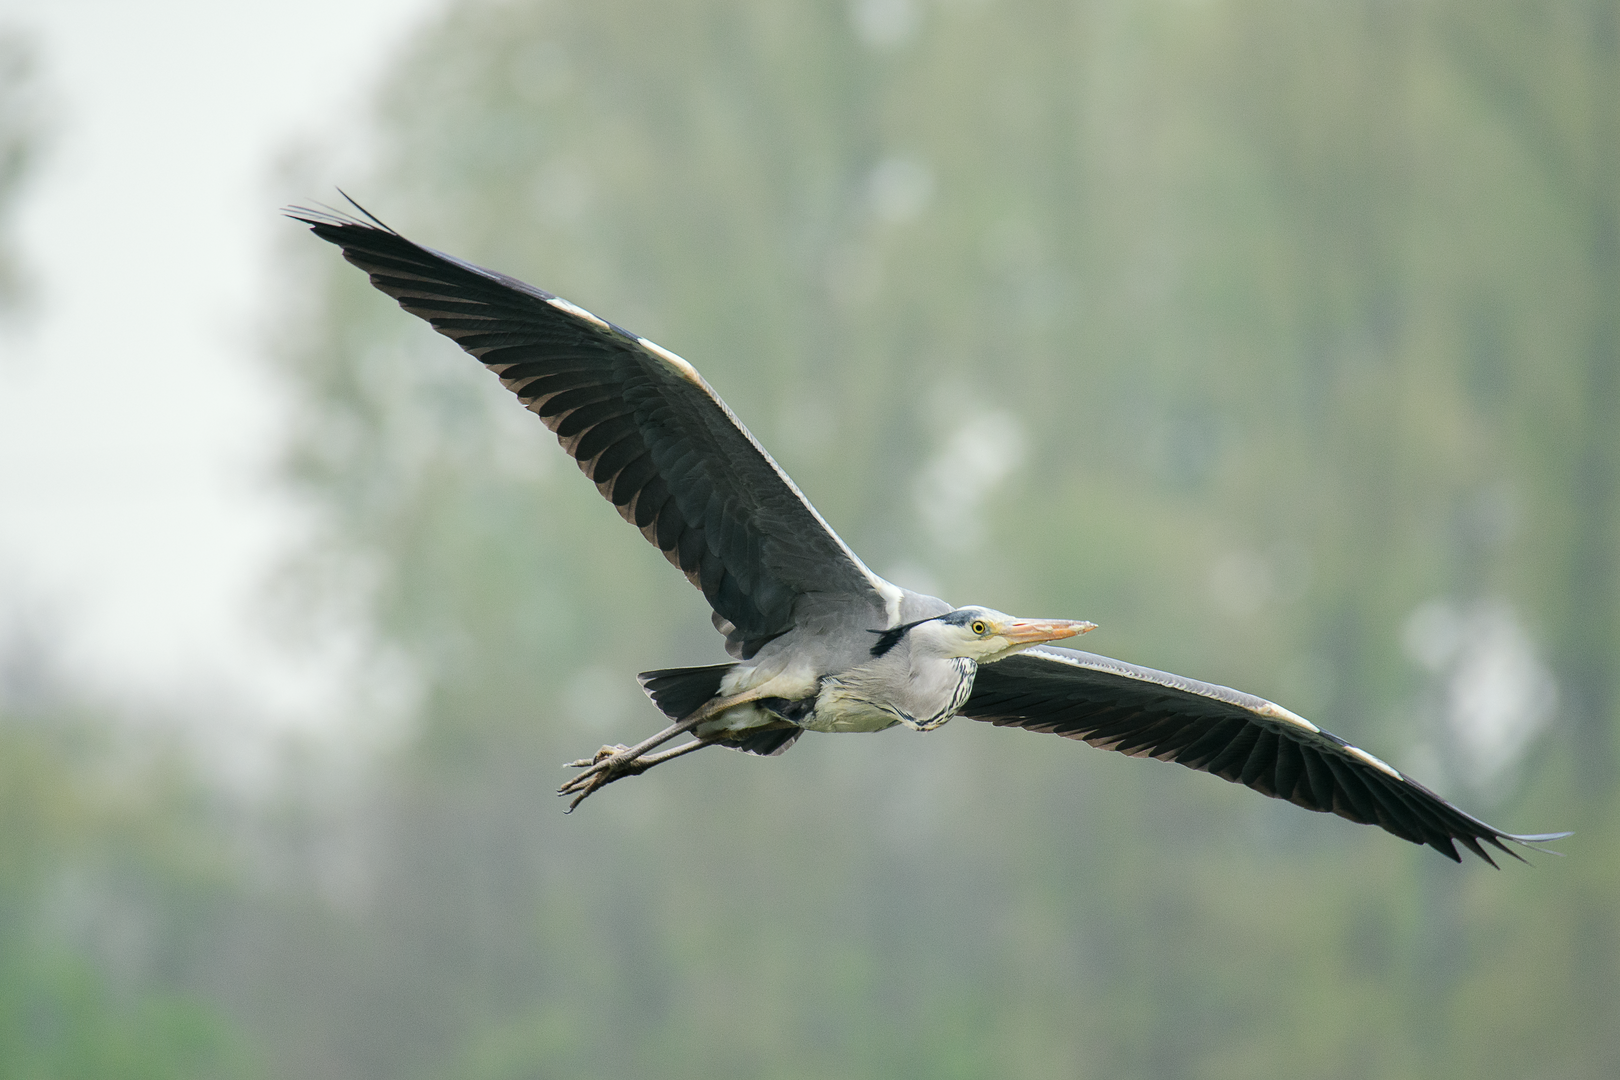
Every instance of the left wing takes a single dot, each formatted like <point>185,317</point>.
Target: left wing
<point>1236,736</point>
<point>650,433</point>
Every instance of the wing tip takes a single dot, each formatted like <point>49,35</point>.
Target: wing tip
<point>1533,841</point>
<point>1495,838</point>
<point>320,214</point>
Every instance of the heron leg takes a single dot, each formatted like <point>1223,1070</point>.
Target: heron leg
<point>612,762</point>
<point>637,767</point>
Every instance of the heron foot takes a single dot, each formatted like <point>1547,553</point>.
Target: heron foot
<point>598,757</point>
<point>603,769</point>
<point>607,765</point>
<point>616,762</point>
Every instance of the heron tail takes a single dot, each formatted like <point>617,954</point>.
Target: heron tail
<point>764,742</point>
<point>677,691</point>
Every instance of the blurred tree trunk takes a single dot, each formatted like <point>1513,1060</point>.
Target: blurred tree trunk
<point>1592,639</point>
<point>1553,74</point>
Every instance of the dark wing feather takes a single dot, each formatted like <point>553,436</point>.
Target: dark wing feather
<point>658,442</point>
<point>1239,737</point>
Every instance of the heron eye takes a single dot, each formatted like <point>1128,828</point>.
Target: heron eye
<point>978,627</point>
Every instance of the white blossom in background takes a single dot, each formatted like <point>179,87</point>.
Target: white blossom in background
<point>1493,694</point>
<point>885,24</point>
<point>899,189</point>
<point>983,449</point>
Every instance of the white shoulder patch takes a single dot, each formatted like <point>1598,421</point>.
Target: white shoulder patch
<point>1277,712</point>
<point>578,312</point>
<point>678,363</point>
<point>892,596</point>
<point>1361,755</point>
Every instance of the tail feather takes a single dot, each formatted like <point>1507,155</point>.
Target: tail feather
<point>766,742</point>
<point>678,691</point>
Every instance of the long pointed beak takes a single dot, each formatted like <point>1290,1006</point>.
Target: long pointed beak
<point>1034,631</point>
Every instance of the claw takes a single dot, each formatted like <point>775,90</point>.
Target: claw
<point>616,762</point>
<point>578,798</point>
<point>609,764</point>
<point>598,757</point>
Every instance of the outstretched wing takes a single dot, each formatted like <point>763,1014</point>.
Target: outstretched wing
<point>658,442</point>
<point>1236,736</point>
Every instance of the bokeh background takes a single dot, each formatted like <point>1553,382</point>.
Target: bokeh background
<point>1281,338</point>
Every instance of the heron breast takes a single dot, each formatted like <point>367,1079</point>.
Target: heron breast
<point>837,710</point>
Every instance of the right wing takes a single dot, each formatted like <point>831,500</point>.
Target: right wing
<point>641,423</point>
<point>1236,736</point>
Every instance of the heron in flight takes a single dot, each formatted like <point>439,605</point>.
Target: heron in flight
<point>818,641</point>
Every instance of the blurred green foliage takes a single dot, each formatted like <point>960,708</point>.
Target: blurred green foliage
<point>106,881</point>
<point>1264,323</point>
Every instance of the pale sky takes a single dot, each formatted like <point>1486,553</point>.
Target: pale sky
<point>138,420</point>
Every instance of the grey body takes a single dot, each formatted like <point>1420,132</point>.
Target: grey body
<point>820,643</point>
<point>839,682</point>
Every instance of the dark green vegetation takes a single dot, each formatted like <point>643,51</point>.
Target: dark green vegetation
<point>1309,316</point>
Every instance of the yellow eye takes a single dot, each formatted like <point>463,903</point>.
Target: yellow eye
<point>978,627</point>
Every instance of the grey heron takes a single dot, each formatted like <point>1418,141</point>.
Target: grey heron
<point>818,641</point>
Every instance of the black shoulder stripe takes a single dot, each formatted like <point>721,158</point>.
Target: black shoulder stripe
<point>888,639</point>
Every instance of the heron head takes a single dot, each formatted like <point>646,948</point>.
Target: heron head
<point>987,635</point>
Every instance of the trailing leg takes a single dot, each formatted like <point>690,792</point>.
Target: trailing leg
<point>612,762</point>
<point>639,766</point>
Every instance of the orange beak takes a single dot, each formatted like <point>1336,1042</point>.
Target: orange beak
<point>1034,631</point>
